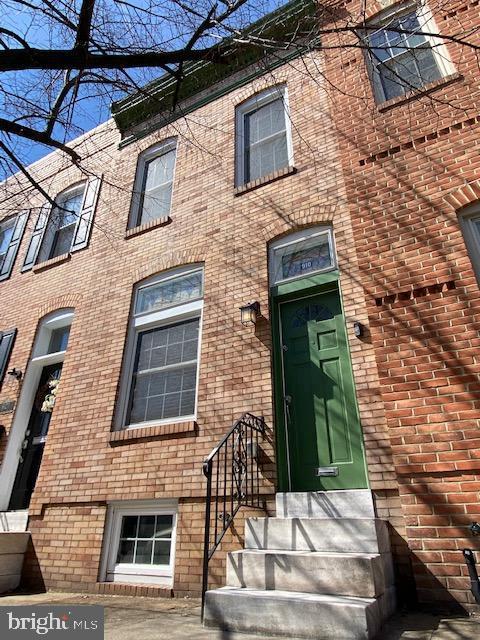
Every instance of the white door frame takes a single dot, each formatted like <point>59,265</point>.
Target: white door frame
<point>23,411</point>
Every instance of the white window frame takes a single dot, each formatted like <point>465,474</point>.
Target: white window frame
<point>247,107</point>
<point>428,24</point>
<point>471,235</point>
<point>283,244</point>
<point>5,223</point>
<point>144,159</point>
<point>111,571</point>
<point>48,238</point>
<point>149,320</point>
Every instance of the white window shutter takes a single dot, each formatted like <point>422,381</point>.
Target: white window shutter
<point>36,237</point>
<point>85,218</point>
<point>11,254</point>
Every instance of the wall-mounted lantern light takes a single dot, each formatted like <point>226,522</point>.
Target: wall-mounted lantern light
<point>249,313</point>
<point>358,329</point>
<point>15,373</point>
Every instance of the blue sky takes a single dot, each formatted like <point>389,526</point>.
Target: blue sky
<point>92,106</point>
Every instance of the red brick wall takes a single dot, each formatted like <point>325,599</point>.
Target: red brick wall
<point>81,469</point>
<point>408,171</point>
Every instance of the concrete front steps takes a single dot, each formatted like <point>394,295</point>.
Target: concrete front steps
<point>14,520</point>
<point>13,545</point>
<point>321,570</point>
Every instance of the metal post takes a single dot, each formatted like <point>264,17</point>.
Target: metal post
<point>207,471</point>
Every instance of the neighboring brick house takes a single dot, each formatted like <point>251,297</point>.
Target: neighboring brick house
<point>270,187</point>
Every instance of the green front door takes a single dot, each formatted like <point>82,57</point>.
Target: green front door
<point>324,446</point>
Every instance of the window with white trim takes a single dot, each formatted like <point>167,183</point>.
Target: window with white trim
<point>263,136</point>
<point>161,363</point>
<point>403,52</point>
<point>61,224</point>
<point>152,193</point>
<point>302,253</point>
<point>6,233</point>
<point>470,223</point>
<point>140,543</point>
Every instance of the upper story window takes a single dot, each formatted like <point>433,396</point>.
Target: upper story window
<point>263,136</point>
<point>11,232</point>
<point>403,52</point>
<point>61,224</point>
<point>161,359</point>
<point>65,227</point>
<point>153,187</point>
<point>6,233</point>
<point>470,223</point>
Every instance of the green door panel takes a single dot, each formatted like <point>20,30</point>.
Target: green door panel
<point>322,428</point>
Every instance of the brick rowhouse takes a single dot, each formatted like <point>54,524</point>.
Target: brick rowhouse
<point>411,167</point>
<point>391,180</point>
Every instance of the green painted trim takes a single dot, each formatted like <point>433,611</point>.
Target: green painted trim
<point>157,97</point>
<point>300,285</point>
<point>168,118</point>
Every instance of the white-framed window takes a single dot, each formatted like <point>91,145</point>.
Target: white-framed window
<point>152,192</point>
<point>61,225</point>
<point>66,227</point>
<point>160,378</point>
<point>6,234</point>
<point>301,254</point>
<point>470,224</point>
<point>140,542</point>
<point>403,53</point>
<point>263,135</point>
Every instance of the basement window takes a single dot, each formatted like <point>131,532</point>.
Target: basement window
<point>141,543</point>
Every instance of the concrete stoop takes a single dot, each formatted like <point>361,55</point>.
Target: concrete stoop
<point>321,569</point>
<point>13,545</point>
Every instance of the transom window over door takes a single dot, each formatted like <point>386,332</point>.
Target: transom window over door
<point>153,184</point>
<point>263,136</point>
<point>161,360</point>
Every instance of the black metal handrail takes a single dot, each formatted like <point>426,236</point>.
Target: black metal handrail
<point>233,481</point>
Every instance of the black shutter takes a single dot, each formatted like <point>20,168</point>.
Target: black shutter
<point>7,338</point>
<point>36,237</point>
<point>11,254</point>
<point>85,217</point>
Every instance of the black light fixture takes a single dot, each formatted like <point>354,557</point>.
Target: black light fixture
<point>358,329</point>
<point>249,313</point>
<point>15,373</point>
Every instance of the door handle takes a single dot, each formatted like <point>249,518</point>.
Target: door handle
<point>288,400</point>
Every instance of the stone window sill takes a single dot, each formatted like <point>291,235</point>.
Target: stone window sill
<point>142,228</point>
<point>65,257</point>
<point>412,95</point>
<point>152,431</point>
<point>260,182</point>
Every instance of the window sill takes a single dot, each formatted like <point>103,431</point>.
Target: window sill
<point>260,182</point>
<point>142,228</point>
<point>416,93</point>
<point>153,431</point>
<point>131,589</point>
<point>65,257</point>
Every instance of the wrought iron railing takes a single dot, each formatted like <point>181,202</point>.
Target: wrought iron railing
<point>233,481</point>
